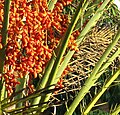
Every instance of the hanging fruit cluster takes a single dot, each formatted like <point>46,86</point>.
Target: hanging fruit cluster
<point>33,33</point>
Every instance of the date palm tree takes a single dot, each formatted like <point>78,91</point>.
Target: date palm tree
<point>43,20</point>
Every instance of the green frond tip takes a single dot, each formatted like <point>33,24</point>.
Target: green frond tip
<point>51,4</point>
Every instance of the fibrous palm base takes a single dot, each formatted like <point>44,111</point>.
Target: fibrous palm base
<point>83,61</point>
<point>92,49</point>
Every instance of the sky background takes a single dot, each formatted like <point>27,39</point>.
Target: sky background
<point>117,2</point>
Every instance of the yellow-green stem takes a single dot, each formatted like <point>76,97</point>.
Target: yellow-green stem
<point>116,111</point>
<point>23,81</point>
<point>100,93</point>
<point>41,84</point>
<point>2,51</point>
<point>62,48</point>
